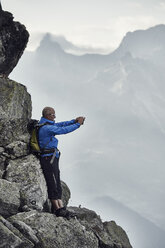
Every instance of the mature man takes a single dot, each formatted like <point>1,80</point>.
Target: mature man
<point>50,157</point>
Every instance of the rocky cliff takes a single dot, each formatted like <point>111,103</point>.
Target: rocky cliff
<point>25,217</point>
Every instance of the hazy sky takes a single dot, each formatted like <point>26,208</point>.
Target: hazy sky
<point>94,23</point>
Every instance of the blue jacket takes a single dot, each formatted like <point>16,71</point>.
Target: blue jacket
<point>47,133</point>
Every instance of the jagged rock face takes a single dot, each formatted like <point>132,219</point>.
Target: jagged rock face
<point>109,234</point>
<point>27,173</point>
<point>85,231</point>
<point>15,111</point>
<point>13,40</point>
<point>52,231</point>
<point>9,198</point>
<point>11,236</point>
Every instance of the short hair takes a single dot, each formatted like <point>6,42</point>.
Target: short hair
<point>46,111</point>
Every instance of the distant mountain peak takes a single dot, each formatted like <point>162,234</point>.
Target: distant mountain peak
<point>49,44</point>
<point>143,43</point>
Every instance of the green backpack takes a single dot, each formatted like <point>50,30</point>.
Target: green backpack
<point>33,128</point>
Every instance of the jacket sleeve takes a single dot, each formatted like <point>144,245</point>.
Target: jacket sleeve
<point>65,123</point>
<point>57,130</point>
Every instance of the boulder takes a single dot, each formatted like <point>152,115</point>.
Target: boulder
<point>12,237</point>
<point>13,40</point>
<point>88,218</point>
<point>26,231</point>
<point>116,234</point>
<point>109,234</point>
<point>8,239</point>
<point>15,111</point>
<point>27,173</point>
<point>53,231</point>
<point>17,149</point>
<point>9,198</point>
<point>65,193</point>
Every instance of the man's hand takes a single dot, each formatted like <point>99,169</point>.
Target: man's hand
<point>80,120</point>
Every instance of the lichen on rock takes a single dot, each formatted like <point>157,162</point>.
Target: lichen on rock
<point>15,111</point>
<point>27,173</point>
<point>9,198</point>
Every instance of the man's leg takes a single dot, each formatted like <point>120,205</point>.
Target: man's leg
<point>49,174</point>
<point>57,204</point>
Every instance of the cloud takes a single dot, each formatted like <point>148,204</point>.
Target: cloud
<point>66,45</point>
<point>162,5</point>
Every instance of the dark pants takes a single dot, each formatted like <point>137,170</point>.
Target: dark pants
<point>52,177</point>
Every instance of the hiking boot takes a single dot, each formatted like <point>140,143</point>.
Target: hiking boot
<point>63,212</point>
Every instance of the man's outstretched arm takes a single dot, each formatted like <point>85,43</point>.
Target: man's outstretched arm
<point>68,123</point>
<point>56,130</point>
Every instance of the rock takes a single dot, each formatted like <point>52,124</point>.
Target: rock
<point>116,234</point>
<point>26,231</point>
<point>15,111</point>
<point>2,165</point>
<point>13,40</point>
<point>8,239</point>
<point>109,234</point>
<point>28,174</point>
<point>9,198</point>
<point>17,149</point>
<point>58,232</point>
<point>65,193</point>
<point>1,174</point>
<point>17,236</point>
<point>88,218</point>
<point>2,150</point>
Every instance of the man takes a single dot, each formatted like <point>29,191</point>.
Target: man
<point>50,157</point>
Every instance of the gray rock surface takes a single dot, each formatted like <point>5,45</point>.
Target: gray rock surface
<point>26,231</point>
<point>13,40</point>
<point>2,165</point>
<point>17,149</point>
<point>12,237</point>
<point>116,234</point>
<point>66,194</point>
<point>8,239</point>
<point>109,234</point>
<point>27,173</point>
<point>58,232</point>
<point>15,111</point>
<point>9,198</point>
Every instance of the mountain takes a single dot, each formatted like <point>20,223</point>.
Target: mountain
<point>146,44</point>
<point>122,94</point>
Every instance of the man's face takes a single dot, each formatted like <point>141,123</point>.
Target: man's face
<point>51,116</point>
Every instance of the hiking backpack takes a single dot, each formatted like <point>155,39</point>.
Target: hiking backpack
<point>33,128</point>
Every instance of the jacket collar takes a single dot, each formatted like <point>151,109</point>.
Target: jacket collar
<point>43,120</point>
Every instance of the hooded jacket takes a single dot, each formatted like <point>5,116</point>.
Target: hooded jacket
<point>47,133</point>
